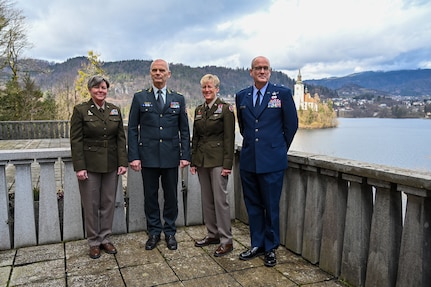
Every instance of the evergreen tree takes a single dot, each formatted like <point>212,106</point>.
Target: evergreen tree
<point>11,108</point>
<point>25,103</point>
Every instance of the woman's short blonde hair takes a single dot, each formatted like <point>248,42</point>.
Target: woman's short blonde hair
<point>211,78</point>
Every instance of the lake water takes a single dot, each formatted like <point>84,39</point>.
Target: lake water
<point>403,143</point>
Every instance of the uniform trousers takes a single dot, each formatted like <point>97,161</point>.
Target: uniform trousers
<point>262,194</point>
<point>215,203</point>
<point>169,180</point>
<point>98,194</point>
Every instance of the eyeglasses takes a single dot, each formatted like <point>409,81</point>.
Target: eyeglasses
<point>259,68</point>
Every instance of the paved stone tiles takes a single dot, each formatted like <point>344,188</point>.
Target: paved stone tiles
<point>34,144</point>
<point>68,264</point>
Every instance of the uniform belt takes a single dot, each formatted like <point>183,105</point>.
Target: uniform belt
<point>104,143</point>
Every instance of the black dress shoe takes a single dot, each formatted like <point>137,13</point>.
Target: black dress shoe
<point>207,241</point>
<point>171,242</point>
<point>152,242</point>
<point>251,253</point>
<point>270,258</point>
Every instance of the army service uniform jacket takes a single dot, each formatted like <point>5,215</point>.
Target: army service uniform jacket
<point>98,141</point>
<point>213,136</point>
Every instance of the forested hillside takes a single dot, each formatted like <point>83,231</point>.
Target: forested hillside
<point>129,76</point>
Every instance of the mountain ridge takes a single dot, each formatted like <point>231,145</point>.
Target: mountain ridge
<point>129,76</point>
<point>395,83</point>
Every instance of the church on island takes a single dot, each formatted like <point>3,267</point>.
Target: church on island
<point>312,114</point>
<point>303,100</point>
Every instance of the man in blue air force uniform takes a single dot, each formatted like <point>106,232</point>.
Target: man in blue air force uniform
<point>159,142</point>
<point>268,121</point>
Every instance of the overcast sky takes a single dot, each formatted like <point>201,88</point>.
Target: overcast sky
<point>322,38</point>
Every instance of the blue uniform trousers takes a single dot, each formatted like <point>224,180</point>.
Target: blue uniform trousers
<point>262,194</point>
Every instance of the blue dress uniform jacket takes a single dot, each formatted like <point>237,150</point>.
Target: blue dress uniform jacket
<point>266,138</point>
<point>213,136</point>
<point>267,133</point>
<point>163,136</point>
<point>98,141</point>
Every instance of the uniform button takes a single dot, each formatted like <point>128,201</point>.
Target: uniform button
<point>257,121</point>
<point>161,140</point>
<point>256,130</point>
<point>161,128</point>
<point>256,140</point>
<point>161,115</point>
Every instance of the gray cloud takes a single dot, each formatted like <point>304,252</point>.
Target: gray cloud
<point>322,38</point>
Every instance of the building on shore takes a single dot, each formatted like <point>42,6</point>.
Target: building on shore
<point>302,98</point>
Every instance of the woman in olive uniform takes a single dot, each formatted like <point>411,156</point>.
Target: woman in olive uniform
<point>98,145</point>
<point>212,158</point>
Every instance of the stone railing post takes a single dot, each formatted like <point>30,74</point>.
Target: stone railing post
<point>72,219</point>
<point>24,216</point>
<point>314,207</point>
<point>5,223</point>
<point>334,220</point>
<point>415,254</point>
<point>49,222</point>
<point>193,203</point>
<point>385,237</point>
<point>296,194</point>
<point>357,230</point>
<point>135,191</point>
<point>119,225</point>
<point>240,209</point>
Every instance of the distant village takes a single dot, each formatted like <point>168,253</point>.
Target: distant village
<point>383,107</point>
<point>366,105</point>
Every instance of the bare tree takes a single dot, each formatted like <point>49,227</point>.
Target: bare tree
<point>13,37</point>
<point>5,7</point>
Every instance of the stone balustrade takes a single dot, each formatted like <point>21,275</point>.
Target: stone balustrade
<point>13,130</point>
<point>367,224</point>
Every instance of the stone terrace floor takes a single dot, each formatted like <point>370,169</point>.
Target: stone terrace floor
<point>34,144</point>
<point>68,264</point>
